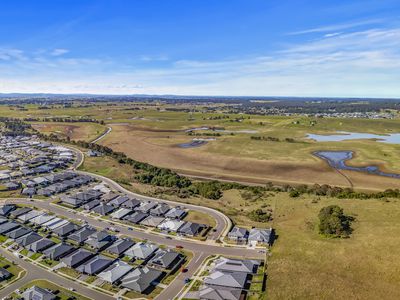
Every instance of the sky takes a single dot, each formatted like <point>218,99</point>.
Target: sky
<point>340,48</point>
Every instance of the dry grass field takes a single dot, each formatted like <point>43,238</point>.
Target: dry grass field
<point>242,159</point>
<point>75,131</point>
<point>150,132</point>
<point>303,265</point>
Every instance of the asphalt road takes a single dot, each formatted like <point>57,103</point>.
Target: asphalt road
<point>200,250</point>
<point>223,223</point>
<point>35,272</point>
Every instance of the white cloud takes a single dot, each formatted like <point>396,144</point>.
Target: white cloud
<point>337,27</point>
<point>59,52</point>
<point>359,64</point>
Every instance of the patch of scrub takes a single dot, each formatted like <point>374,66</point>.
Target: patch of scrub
<point>338,159</point>
<point>393,138</point>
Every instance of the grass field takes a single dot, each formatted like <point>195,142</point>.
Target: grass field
<point>304,265</point>
<point>232,203</point>
<point>240,158</point>
<point>84,131</point>
<point>147,132</point>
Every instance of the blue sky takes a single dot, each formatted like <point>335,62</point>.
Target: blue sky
<point>201,47</point>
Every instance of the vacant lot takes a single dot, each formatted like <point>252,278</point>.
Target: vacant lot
<point>84,131</point>
<point>304,265</point>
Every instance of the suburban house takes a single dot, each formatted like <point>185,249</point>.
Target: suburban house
<point>58,251</point>
<point>238,234</point>
<point>262,236</point>
<point>115,272</point>
<point>95,265</point>
<point>191,229</point>
<point>77,258</point>
<point>141,279</point>
<point>120,246</point>
<point>37,293</point>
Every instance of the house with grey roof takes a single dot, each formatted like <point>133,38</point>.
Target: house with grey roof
<point>238,234</point>
<point>102,209</point>
<point>121,213</point>
<point>28,239</point>
<point>160,210</point>
<point>220,293</point>
<point>40,245</point>
<point>29,215</point>
<point>151,221</point>
<point>100,240</point>
<point>71,201</point>
<point>115,272</point>
<point>37,293</point>
<point>18,232</point>
<point>136,217</point>
<point>8,226</point>
<point>191,229</point>
<point>176,213</point>
<point>66,229</point>
<point>20,211</point>
<point>260,235</point>
<point>166,259</point>
<point>170,225</point>
<point>6,209</point>
<point>120,246</point>
<point>4,274</point>
<point>131,203</point>
<point>108,197</point>
<point>142,279</point>
<point>77,258</point>
<point>95,265</point>
<point>145,207</point>
<point>91,204</point>
<point>224,264</point>
<point>141,251</point>
<point>82,234</point>
<point>118,201</point>
<point>58,251</point>
<point>236,280</point>
<point>53,226</point>
<point>39,220</point>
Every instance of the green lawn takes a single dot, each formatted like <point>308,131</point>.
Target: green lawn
<point>69,272</point>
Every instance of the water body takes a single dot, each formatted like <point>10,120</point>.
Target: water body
<point>193,144</point>
<point>216,129</point>
<point>393,138</point>
<point>338,159</point>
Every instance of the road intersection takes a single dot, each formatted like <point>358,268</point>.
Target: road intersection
<point>201,249</point>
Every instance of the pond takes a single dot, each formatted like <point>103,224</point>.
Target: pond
<point>193,144</point>
<point>337,160</point>
<point>219,129</point>
<point>393,138</point>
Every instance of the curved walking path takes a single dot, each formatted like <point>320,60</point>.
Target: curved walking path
<point>109,129</point>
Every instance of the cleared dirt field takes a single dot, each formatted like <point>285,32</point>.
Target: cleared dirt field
<point>289,162</point>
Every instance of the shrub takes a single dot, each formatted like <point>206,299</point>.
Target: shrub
<point>333,222</point>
